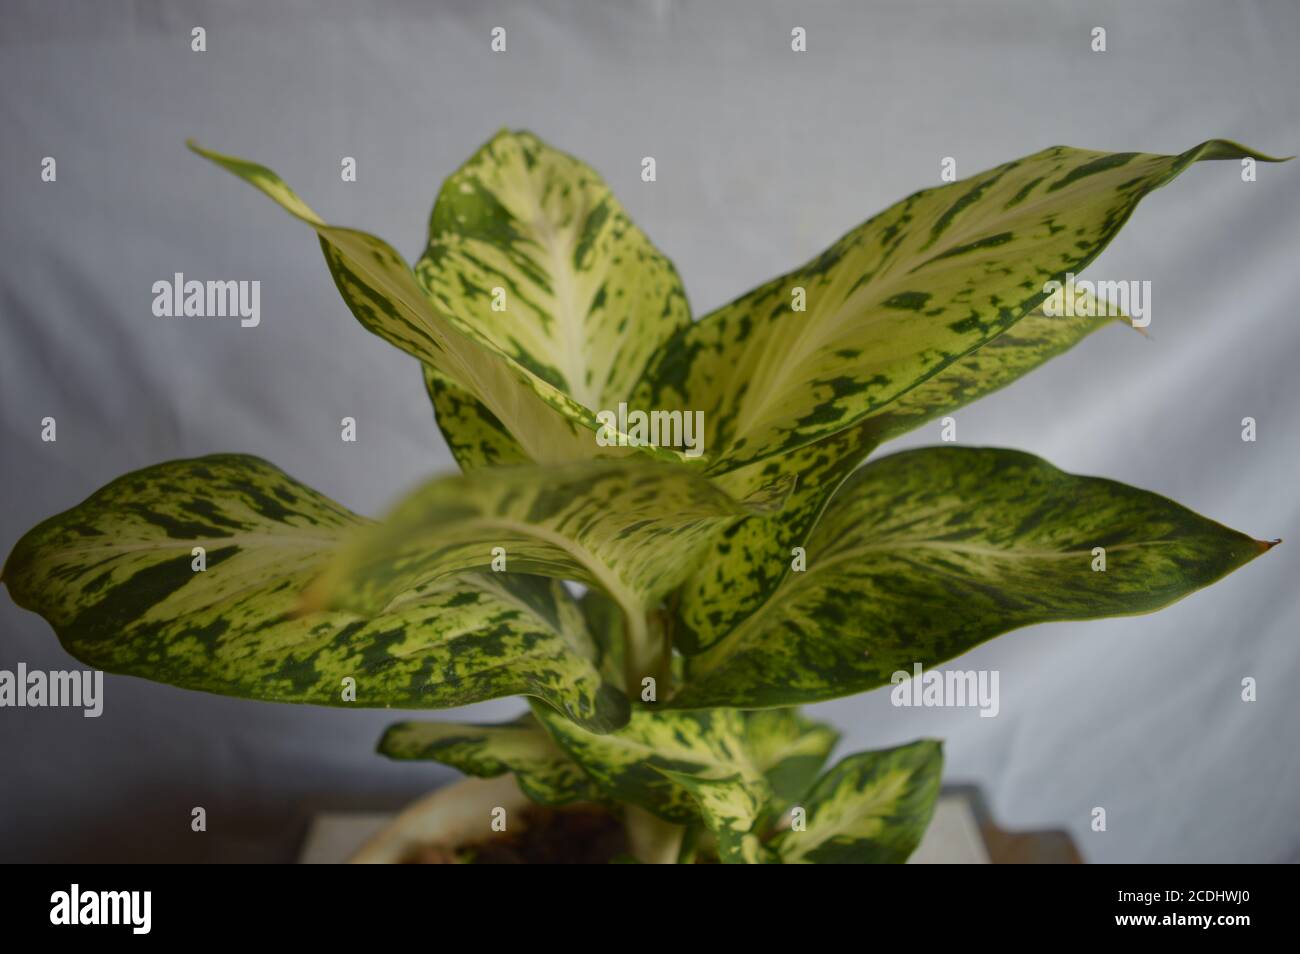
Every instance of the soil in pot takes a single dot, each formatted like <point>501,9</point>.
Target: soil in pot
<point>575,835</point>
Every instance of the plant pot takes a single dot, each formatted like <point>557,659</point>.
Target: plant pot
<point>432,828</point>
<point>961,832</point>
<point>451,816</point>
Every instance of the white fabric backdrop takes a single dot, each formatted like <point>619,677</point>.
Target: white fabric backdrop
<point>764,157</point>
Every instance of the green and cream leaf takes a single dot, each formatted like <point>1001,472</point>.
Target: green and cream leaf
<point>522,747</point>
<point>583,297</point>
<point>900,298</point>
<point>604,620</point>
<point>744,848</point>
<point>633,527</point>
<point>119,579</point>
<point>683,767</point>
<point>925,554</point>
<point>789,749</point>
<point>474,435</point>
<point>870,808</point>
<point>382,292</point>
<point>754,555</point>
<point>730,809</point>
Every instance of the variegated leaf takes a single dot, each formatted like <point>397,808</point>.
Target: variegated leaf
<point>748,561</point>
<point>604,621</point>
<point>729,809</point>
<point>680,766</point>
<point>871,808</point>
<point>634,528</point>
<point>544,773</point>
<point>117,578</point>
<point>474,435</point>
<point>925,554</point>
<point>1028,344</point>
<point>744,848</point>
<point>900,298</point>
<point>382,292</point>
<point>726,803</point>
<point>789,749</point>
<point>582,297</point>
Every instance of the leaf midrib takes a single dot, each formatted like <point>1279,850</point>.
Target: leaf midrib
<point>272,541</point>
<point>880,282</point>
<point>889,792</point>
<point>745,768</point>
<point>755,621</point>
<point>565,296</point>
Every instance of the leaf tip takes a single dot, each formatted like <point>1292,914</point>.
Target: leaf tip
<point>771,497</point>
<point>1266,545</point>
<point>383,746</point>
<point>1138,328</point>
<point>1231,149</point>
<point>193,146</point>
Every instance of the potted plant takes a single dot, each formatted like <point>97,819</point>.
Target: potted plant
<point>664,536</point>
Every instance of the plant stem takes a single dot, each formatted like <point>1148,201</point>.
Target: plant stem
<point>636,652</point>
<point>647,652</point>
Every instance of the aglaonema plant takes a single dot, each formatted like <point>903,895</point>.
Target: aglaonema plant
<point>720,589</point>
